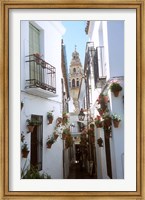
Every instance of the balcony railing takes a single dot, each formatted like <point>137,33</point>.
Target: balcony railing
<point>41,74</point>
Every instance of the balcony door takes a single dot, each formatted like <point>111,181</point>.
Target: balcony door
<point>34,47</point>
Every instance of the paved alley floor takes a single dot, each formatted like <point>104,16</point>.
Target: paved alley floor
<point>77,172</point>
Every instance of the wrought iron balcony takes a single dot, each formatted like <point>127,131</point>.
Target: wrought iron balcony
<point>41,75</point>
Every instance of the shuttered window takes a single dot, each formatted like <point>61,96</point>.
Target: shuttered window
<point>34,47</point>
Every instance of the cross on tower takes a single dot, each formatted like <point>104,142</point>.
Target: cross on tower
<point>75,47</point>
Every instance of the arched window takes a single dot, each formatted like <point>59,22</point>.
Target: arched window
<point>77,82</point>
<point>73,83</point>
<point>74,70</point>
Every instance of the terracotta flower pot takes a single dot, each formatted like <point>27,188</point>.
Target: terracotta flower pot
<point>30,128</point>
<point>100,142</point>
<point>55,136</point>
<point>50,120</point>
<point>116,123</point>
<point>25,153</point>
<point>116,93</point>
<point>49,145</point>
<point>63,136</point>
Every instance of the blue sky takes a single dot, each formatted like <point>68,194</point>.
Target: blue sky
<point>75,35</point>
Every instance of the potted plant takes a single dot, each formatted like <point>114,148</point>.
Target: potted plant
<point>65,132</point>
<point>50,117</point>
<point>32,123</point>
<point>103,98</point>
<point>115,88</point>
<point>116,120</point>
<point>100,142</point>
<point>64,118</point>
<point>25,150</point>
<point>58,122</point>
<point>22,137</point>
<point>98,122</point>
<point>101,111</point>
<point>68,141</point>
<point>49,142</point>
<point>55,135</point>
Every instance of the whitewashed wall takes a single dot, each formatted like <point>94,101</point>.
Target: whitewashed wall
<point>110,34</point>
<point>51,34</point>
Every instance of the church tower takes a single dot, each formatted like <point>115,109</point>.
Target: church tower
<point>75,76</point>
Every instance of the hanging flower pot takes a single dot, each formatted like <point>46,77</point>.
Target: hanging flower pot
<point>115,88</point>
<point>116,123</point>
<point>25,150</point>
<point>50,120</point>
<point>98,122</point>
<point>49,142</point>
<point>116,120</point>
<point>25,153</point>
<point>50,117</point>
<point>32,123</point>
<point>49,145</point>
<point>100,142</point>
<point>55,136</point>
<point>30,128</point>
<point>116,93</point>
<point>63,136</point>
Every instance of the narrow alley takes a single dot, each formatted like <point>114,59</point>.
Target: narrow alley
<point>79,172</point>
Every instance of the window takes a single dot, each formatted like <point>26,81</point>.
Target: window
<point>73,83</point>
<point>74,70</point>
<point>34,48</point>
<point>77,82</point>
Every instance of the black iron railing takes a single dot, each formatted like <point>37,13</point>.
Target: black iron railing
<point>41,74</point>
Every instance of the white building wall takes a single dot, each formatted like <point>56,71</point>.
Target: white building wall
<point>116,47</point>
<point>51,33</point>
<point>110,34</point>
<point>117,140</point>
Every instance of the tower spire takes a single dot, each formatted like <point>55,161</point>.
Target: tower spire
<point>75,47</point>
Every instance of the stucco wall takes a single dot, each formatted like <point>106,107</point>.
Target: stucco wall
<point>51,33</point>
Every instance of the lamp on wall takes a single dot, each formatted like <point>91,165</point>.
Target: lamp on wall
<point>81,115</point>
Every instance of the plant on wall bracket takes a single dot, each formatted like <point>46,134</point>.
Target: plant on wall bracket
<point>50,117</point>
<point>115,88</point>
<point>116,120</point>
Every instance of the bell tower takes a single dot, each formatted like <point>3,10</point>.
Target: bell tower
<point>75,76</point>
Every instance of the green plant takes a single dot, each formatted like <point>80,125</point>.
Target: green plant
<point>100,142</point>
<point>98,122</point>
<point>103,98</point>
<point>66,131</point>
<point>33,122</point>
<point>33,173</point>
<point>50,114</point>
<point>115,86</point>
<point>69,141</point>
<point>25,147</point>
<point>116,117</point>
<point>50,140</point>
<point>22,137</point>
